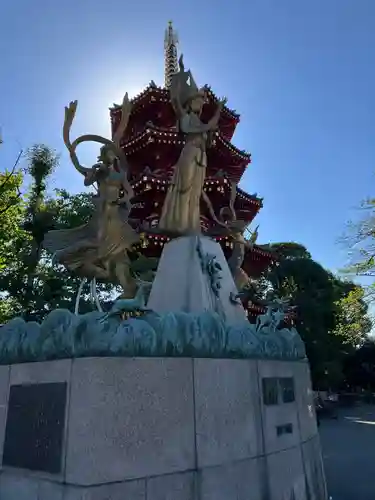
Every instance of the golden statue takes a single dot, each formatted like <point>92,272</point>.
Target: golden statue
<point>99,249</point>
<point>181,209</point>
<point>236,229</point>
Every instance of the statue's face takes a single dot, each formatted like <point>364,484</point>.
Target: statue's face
<point>106,156</point>
<point>110,156</point>
<point>197,104</point>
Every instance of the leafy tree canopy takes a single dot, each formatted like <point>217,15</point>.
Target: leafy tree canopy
<point>331,313</point>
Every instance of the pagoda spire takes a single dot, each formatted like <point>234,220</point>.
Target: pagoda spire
<point>170,54</point>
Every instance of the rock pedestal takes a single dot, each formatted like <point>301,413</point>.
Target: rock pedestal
<point>186,280</point>
<point>159,429</point>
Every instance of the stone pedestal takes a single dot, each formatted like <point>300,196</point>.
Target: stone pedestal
<point>183,282</point>
<point>169,429</point>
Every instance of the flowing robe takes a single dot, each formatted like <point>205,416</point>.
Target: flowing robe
<point>91,248</point>
<point>181,209</point>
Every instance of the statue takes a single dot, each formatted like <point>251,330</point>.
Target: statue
<point>230,225</point>
<point>236,229</point>
<point>99,249</point>
<point>181,209</point>
<point>276,312</point>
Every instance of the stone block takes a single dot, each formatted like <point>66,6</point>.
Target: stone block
<point>280,421</point>
<point>50,491</point>
<point>280,427</point>
<point>305,401</point>
<point>237,481</point>
<point>130,418</point>
<point>314,470</point>
<point>188,287</point>
<point>4,394</point>
<point>226,411</point>
<point>181,486</point>
<point>18,487</point>
<point>41,372</point>
<point>286,475</point>
<point>130,490</point>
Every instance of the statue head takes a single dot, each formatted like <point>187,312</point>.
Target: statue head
<point>196,102</point>
<point>185,90</point>
<point>106,156</point>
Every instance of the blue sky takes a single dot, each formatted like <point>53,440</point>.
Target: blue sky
<point>301,73</point>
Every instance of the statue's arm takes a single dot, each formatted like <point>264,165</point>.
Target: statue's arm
<point>74,158</point>
<point>92,174</point>
<point>70,112</point>
<point>89,179</point>
<point>125,115</point>
<point>187,127</point>
<point>214,122</point>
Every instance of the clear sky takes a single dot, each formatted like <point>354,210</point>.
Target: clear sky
<point>300,72</point>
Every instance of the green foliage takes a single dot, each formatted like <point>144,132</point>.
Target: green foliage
<point>10,184</point>
<point>359,367</point>
<point>38,220</point>
<point>360,238</point>
<point>11,216</point>
<point>30,285</point>
<point>11,213</point>
<point>352,324</point>
<point>331,313</point>
<point>290,250</point>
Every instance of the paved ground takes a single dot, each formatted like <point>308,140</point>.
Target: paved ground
<point>349,454</point>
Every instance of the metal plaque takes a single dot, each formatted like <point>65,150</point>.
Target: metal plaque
<point>35,427</point>
<point>287,389</point>
<point>270,391</point>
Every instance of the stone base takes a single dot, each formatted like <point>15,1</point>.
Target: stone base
<point>171,429</point>
<point>183,284</point>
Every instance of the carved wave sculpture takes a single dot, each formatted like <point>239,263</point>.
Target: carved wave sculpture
<point>63,334</point>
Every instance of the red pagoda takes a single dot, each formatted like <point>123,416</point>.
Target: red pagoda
<point>153,144</point>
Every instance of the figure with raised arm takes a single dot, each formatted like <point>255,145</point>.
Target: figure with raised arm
<point>99,248</point>
<point>181,209</point>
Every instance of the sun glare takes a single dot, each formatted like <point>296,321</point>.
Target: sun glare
<point>99,88</point>
<point>96,94</point>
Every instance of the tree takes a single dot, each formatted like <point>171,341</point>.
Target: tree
<point>359,239</point>
<point>352,323</point>
<point>11,211</point>
<point>10,184</point>
<point>52,285</point>
<point>330,332</point>
<point>359,367</point>
<point>11,217</point>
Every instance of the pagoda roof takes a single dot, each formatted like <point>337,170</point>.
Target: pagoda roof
<point>162,94</point>
<point>240,153</point>
<point>154,103</point>
<point>151,134</point>
<point>223,152</point>
<point>255,253</point>
<point>252,198</point>
<point>150,186</point>
<point>212,96</point>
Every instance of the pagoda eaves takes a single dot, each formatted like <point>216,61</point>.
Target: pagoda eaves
<point>157,99</point>
<point>150,189</point>
<point>141,151</point>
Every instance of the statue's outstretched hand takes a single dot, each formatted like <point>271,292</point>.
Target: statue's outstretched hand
<point>70,110</point>
<point>126,105</point>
